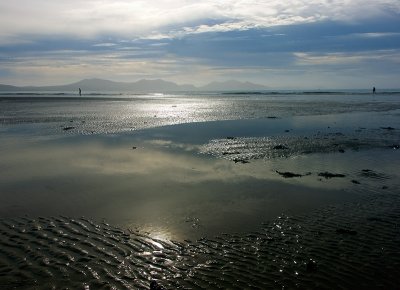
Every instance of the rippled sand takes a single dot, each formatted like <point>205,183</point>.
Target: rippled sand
<point>343,247</point>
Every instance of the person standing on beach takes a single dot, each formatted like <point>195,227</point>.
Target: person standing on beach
<point>80,91</point>
<point>373,90</point>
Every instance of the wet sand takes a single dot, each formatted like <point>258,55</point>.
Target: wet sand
<point>294,202</point>
<point>334,247</point>
<point>157,185</point>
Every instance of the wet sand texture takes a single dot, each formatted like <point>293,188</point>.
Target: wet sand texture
<point>351,246</point>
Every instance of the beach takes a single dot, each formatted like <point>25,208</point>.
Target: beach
<point>200,191</point>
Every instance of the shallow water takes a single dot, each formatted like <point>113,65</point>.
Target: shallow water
<point>201,202</point>
<point>161,185</point>
<point>89,115</point>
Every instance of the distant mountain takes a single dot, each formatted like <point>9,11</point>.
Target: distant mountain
<point>161,85</point>
<point>141,86</point>
<point>96,85</point>
<point>232,85</point>
<point>8,88</point>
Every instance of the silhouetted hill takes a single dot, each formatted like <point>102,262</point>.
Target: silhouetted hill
<point>232,85</point>
<point>8,88</point>
<point>158,85</point>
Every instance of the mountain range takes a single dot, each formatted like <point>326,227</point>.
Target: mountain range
<point>141,86</point>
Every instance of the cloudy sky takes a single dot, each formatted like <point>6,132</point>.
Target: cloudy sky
<point>281,44</point>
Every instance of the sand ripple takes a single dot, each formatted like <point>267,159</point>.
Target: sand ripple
<point>343,247</point>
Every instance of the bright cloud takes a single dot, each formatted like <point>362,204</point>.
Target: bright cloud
<point>338,59</point>
<point>139,18</point>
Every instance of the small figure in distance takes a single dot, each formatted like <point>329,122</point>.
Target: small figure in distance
<point>80,91</point>
<point>373,90</point>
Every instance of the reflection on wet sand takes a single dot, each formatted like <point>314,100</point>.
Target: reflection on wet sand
<point>154,186</point>
<point>186,219</point>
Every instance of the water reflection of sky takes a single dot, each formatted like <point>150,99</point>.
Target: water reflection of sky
<point>146,186</point>
<point>165,186</point>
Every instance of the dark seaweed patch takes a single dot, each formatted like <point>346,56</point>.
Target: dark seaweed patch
<point>288,174</point>
<point>368,173</point>
<point>241,160</point>
<point>328,175</point>
<point>280,147</point>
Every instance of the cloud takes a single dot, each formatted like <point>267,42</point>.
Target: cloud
<point>346,58</point>
<point>67,66</point>
<point>106,44</point>
<point>173,18</point>
<point>188,41</point>
<point>375,34</point>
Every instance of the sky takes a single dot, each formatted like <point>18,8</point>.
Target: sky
<point>280,44</point>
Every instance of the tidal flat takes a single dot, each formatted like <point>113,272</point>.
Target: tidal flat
<point>197,195</point>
